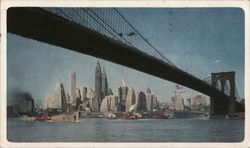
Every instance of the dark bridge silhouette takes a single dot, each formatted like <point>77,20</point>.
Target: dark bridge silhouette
<point>44,26</point>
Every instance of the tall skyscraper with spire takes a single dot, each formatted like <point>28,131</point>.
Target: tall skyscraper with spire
<point>101,84</point>
<point>98,83</point>
<point>73,89</point>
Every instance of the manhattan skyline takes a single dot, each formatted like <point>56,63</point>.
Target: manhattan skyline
<point>192,42</point>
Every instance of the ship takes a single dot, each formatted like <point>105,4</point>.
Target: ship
<point>65,117</point>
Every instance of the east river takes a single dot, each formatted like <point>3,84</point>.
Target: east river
<point>145,130</point>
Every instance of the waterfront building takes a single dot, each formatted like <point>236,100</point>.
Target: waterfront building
<point>12,111</point>
<point>109,104</point>
<point>167,106</point>
<point>73,89</point>
<point>105,106</point>
<point>122,94</point>
<point>57,100</point>
<point>198,102</point>
<point>37,105</point>
<point>178,102</point>
<point>25,104</point>
<point>130,98</point>
<point>132,108</point>
<point>88,100</point>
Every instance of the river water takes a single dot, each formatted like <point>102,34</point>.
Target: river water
<point>146,130</point>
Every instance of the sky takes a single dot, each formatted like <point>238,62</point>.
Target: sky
<point>198,40</point>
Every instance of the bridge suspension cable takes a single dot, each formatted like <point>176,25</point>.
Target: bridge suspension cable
<point>144,38</point>
<point>110,22</point>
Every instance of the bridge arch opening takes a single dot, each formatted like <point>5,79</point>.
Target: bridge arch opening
<point>227,88</point>
<point>218,85</point>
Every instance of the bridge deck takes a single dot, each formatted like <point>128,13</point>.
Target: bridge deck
<point>41,25</point>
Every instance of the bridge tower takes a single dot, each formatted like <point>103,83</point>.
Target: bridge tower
<point>217,107</point>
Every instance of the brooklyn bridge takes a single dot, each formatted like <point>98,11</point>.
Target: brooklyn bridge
<point>107,34</point>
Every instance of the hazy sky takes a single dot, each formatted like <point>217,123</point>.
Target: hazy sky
<point>199,41</point>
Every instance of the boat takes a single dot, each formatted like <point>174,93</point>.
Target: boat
<point>42,119</point>
<point>161,117</point>
<point>65,117</point>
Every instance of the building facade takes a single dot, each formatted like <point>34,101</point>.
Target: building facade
<point>141,102</point>
<point>101,84</point>
<point>73,89</point>
<point>57,100</point>
<point>122,94</point>
<point>178,102</point>
<point>149,100</point>
<point>109,104</point>
<point>104,88</point>
<point>98,83</point>
<point>130,99</point>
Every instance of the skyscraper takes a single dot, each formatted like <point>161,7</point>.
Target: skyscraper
<point>109,104</point>
<point>178,102</point>
<point>57,100</point>
<point>101,84</point>
<point>84,92</point>
<point>98,84</point>
<point>149,99</point>
<point>104,84</point>
<point>122,94</point>
<point>141,101</point>
<point>63,98</point>
<point>130,99</point>
<point>73,89</point>
<point>78,97</point>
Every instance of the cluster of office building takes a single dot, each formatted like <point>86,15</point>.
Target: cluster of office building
<point>195,103</point>
<point>101,99</point>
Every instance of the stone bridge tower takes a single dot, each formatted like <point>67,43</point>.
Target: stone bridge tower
<point>215,106</point>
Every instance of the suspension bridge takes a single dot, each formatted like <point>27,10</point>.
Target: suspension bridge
<point>105,33</point>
